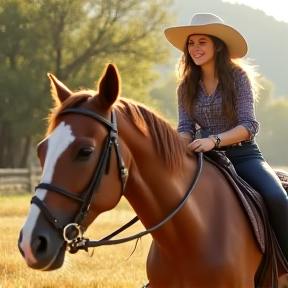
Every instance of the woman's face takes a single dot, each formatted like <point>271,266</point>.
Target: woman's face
<point>201,48</point>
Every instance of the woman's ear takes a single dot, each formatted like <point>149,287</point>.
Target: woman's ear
<point>219,48</point>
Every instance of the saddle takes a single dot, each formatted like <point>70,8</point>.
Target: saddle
<point>252,202</point>
<point>283,176</point>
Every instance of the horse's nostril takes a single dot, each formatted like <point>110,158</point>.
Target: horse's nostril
<point>39,245</point>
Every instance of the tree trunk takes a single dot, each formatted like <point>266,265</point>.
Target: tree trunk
<point>25,152</point>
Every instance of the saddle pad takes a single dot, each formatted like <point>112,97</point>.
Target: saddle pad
<point>244,192</point>
<point>273,259</point>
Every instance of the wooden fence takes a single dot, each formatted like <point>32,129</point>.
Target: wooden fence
<point>19,180</point>
<point>25,180</point>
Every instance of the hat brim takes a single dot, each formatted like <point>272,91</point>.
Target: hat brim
<point>235,42</point>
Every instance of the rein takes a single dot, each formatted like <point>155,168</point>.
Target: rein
<point>73,232</point>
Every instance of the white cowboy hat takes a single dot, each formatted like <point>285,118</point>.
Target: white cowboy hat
<point>208,24</point>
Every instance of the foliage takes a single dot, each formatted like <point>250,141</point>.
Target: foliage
<point>165,96</point>
<point>73,40</point>
<point>273,117</point>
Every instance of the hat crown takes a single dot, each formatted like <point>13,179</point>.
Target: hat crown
<point>208,24</point>
<point>204,19</point>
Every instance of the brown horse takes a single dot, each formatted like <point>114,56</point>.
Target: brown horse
<point>89,160</point>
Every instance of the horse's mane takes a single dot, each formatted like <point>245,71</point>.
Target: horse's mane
<point>165,138</point>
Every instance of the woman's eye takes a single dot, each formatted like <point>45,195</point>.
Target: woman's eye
<point>84,153</point>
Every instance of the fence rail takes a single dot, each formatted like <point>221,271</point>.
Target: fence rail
<point>19,180</point>
<point>25,180</point>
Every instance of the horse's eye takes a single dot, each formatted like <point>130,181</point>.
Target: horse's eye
<point>84,153</point>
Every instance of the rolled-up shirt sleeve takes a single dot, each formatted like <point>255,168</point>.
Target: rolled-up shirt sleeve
<point>245,104</point>
<point>185,123</point>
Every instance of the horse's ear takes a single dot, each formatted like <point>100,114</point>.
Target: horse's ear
<point>58,90</point>
<point>109,86</point>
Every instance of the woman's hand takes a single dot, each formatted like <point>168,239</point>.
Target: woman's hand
<point>202,145</point>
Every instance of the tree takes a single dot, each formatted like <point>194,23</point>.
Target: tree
<point>164,95</point>
<point>273,117</point>
<point>73,40</point>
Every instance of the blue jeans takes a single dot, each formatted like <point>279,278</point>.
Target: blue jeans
<point>252,168</point>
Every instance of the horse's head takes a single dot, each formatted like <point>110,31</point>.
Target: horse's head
<point>79,156</point>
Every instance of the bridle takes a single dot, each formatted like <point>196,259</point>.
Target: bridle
<point>77,241</point>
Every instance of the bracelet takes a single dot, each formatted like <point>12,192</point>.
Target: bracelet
<point>217,141</point>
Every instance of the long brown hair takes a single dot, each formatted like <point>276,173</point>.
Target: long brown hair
<point>189,74</point>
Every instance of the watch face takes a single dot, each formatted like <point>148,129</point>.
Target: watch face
<point>217,139</point>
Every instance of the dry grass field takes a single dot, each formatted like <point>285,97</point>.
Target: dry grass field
<point>109,266</point>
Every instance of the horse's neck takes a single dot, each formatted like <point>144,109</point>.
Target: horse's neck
<point>151,189</point>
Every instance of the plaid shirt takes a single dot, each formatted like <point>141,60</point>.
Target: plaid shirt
<point>208,109</point>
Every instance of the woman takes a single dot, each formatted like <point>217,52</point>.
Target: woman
<point>217,92</point>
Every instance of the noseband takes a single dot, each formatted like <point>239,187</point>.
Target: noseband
<point>77,241</point>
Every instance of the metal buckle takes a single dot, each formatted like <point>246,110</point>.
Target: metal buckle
<point>78,230</point>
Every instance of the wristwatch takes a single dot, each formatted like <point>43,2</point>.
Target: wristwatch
<point>217,141</point>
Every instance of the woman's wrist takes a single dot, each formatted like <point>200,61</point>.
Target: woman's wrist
<point>216,140</point>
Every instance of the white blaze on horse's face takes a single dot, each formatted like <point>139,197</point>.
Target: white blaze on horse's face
<point>58,141</point>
